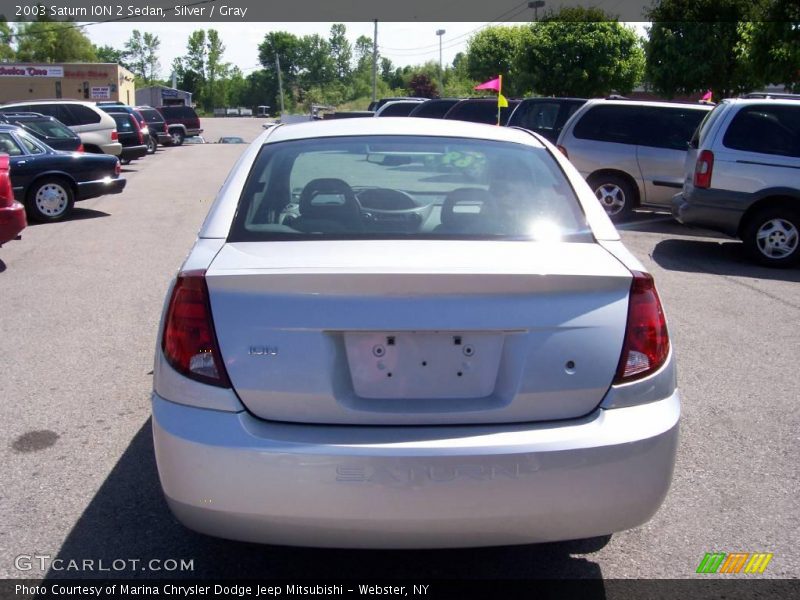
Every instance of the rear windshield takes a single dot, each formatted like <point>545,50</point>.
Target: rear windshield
<point>151,115</point>
<point>123,121</point>
<point>377,187</point>
<point>481,112</point>
<point>433,109</point>
<point>49,129</point>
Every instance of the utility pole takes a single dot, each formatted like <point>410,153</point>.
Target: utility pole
<point>280,80</point>
<point>440,33</point>
<point>375,63</point>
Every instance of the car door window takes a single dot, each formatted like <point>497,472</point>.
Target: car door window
<point>669,128</point>
<point>612,123</point>
<point>29,145</point>
<point>83,115</point>
<point>8,145</point>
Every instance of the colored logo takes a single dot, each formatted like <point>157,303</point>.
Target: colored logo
<point>734,562</point>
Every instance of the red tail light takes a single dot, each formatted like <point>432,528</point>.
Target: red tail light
<point>646,345</point>
<point>189,342</point>
<point>703,169</point>
<point>80,149</point>
<point>563,151</point>
<point>117,168</point>
<point>114,136</point>
<point>139,133</point>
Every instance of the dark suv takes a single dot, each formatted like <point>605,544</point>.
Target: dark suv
<point>182,122</point>
<point>481,110</point>
<point>156,124</point>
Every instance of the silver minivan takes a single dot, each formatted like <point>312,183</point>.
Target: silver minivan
<point>742,177</point>
<point>631,152</point>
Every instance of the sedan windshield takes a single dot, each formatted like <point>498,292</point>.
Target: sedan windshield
<point>402,186</point>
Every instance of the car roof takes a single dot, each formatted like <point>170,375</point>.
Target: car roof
<point>761,101</point>
<point>54,101</point>
<point>398,126</point>
<point>605,101</point>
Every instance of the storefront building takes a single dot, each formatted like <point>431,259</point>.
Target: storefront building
<point>93,82</point>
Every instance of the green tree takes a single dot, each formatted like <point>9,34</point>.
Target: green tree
<point>581,52</point>
<point>771,45</point>
<point>315,62</point>
<point>341,51</point>
<point>6,36</point>
<point>216,70</point>
<point>109,54</point>
<point>695,45</point>
<point>45,40</point>
<point>363,51</point>
<point>495,51</point>
<point>141,56</point>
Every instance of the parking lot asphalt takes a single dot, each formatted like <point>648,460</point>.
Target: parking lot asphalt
<point>79,307</point>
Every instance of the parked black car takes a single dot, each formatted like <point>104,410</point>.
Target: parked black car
<point>130,136</point>
<point>156,125</point>
<point>48,129</point>
<point>545,116</point>
<point>481,110</point>
<point>48,182</point>
<point>434,109</point>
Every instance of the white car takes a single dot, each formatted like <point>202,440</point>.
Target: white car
<point>408,333</point>
<point>96,128</point>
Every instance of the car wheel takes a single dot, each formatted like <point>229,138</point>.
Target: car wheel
<point>615,195</point>
<point>177,137</point>
<point>49,199</point>
<point>772,236</point>
<point>151,145</point>
<point>125,161</point>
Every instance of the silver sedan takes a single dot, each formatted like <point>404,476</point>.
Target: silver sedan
<point>408,333</point>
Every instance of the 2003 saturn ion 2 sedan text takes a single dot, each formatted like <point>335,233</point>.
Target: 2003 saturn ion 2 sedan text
<point>408,333</point>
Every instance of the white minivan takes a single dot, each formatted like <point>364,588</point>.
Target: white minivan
<point>97,129</point>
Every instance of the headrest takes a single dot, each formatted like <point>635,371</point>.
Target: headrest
<point>464,205</point>
<point>343,206</point>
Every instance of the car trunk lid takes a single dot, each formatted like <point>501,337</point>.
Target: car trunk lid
<point>418,332</point>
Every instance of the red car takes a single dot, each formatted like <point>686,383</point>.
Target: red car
<point>12,213</point>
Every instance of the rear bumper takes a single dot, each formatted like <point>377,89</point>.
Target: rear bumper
<point>163,138</point>
<point>193,132</point>
<point>707,208</point>
<point>100,187</point>
<point>114,148</point>
<point>234,476</point>
<point>12,221</point>
<point>133,152</point>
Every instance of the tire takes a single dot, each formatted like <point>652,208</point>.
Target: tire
<point>125,161</point>
<point>772,236</point>
<point>177,137</point>
<point>49,199</point>
<point>615,194</point>
<point>152,144</point>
